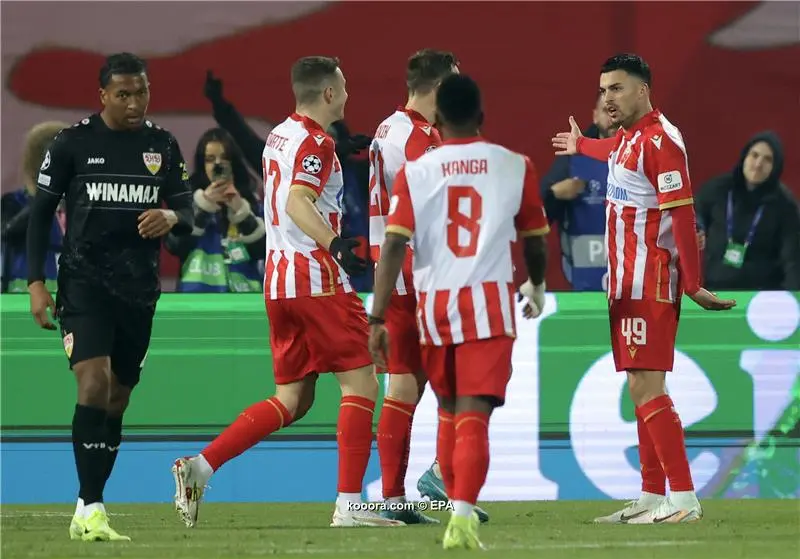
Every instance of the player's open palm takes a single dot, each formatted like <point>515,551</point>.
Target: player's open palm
<point>41,302</point>
<point>710,302</point>
<point>379,345</point>
<point>566,143</point>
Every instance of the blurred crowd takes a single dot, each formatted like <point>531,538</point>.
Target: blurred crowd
<point>748,220</point>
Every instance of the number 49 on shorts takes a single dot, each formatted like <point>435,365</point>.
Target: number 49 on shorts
<point>635,330</point>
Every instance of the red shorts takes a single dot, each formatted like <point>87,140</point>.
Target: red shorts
<point>474,368</point>
<point>401,322</point>
<point>317,335</point>
<point>643,334</point>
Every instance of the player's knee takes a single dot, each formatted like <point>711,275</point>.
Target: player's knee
<point>404,388</point>
<point>447,404</point>
<point>359,382</point>
<point>479,404</point>
<point>646,385</point>
<point>118,399</point>
<point>297,397</point>
<point>305,402</point>
<point>93,381</point>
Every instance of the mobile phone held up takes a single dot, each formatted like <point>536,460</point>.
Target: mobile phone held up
<point>221,171</point>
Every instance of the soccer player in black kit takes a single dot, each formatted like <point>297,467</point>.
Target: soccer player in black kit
<point>114,170</point>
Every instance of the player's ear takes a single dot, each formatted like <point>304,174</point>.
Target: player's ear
<point>480,119</point>
<point>327,95</point>
<point>103,96</point>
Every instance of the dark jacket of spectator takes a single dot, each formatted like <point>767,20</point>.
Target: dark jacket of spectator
<point>772,260</point>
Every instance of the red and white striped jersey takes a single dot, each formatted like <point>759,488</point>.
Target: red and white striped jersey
<point>647,174</point>
<point>404,136</point>
<point>299,154</point>
<point>462,205</point>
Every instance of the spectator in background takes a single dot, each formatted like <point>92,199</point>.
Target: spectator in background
<point>225,251</point>
<point>574,195</point>
<point>355,198</point>
<point>15,210</point>
<point>750,223</point>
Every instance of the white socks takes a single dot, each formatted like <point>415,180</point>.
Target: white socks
<point>462,508</point>
<point>684,500</point>
<point>89,509</point>
<point>344,498</point>
<point>204,469</point>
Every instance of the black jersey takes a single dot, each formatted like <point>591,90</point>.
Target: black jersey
<point>108,178</point>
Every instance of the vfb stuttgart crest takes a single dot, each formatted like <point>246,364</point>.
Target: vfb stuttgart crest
<point>69,341</point>
<point>152,161</point>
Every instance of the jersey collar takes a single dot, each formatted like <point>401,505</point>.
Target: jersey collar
<point>309,123</point>
<point>648,119</point>
<point>414,115</point>
<point>460,141</point>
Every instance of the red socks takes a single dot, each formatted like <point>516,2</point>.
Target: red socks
<point>470,455</point>
<point>250,428</point>
<point>354,436</point>
<point>445,441</point>
<point>654,480</point>
<point>394,442</point>
<point>666,431</point>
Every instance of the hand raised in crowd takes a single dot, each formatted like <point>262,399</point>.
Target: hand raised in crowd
<point>212,88</point>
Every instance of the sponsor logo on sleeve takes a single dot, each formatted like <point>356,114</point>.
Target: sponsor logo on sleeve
<point>669,181</point>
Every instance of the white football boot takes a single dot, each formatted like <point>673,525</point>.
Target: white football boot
<point>190,484</point>
<point>343,517</point>
<point>634,509</point>
<point>680,507</point>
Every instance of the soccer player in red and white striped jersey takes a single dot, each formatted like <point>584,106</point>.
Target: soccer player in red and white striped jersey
<point>653,259</point>
<point>317,323</point>
<point>462,205</point>
<point>405,135</point>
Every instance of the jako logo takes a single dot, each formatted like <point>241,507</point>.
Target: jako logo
<point>96,161</point>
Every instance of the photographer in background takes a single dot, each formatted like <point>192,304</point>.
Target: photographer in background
<point>225,251</point>
<point>15,211</point>
<point>750,223</point>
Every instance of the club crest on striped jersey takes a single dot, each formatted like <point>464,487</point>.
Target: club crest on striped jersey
<point>152,161</point>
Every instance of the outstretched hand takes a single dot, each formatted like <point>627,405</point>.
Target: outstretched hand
<point>710,302</point>
<point>566,143</point>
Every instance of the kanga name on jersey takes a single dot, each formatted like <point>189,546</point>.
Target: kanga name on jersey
<point>463,205</point>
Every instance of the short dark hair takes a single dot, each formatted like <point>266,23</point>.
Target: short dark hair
<point>309,75</point>
<point>427,67</point>
<point>121,63</point>
<point>632,64</point>
<point>458,101</point>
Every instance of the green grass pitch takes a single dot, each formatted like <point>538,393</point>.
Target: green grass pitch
<point>731,529</point>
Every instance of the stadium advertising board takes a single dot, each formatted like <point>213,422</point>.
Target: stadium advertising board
<point>567,430</point>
